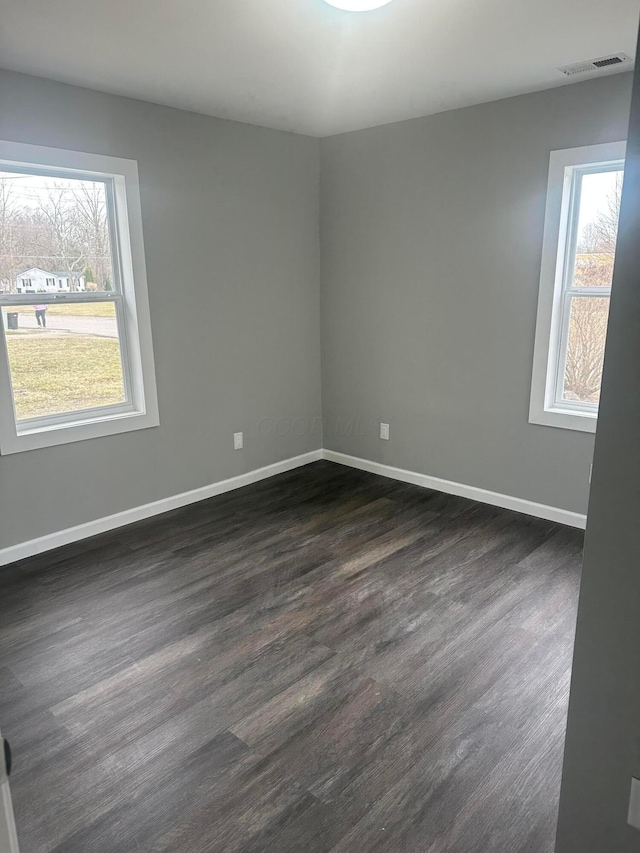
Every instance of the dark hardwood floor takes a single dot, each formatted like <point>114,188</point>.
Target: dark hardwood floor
<point>325,661</point>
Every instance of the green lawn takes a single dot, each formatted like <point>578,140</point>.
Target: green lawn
<point>63,374</point>
<point>81,309</point>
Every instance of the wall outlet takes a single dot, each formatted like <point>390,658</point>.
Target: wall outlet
<point>384,431</point>
<point>238,440</point>
<point>633,818</point>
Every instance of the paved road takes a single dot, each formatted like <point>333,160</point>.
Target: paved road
<point>103,327</point>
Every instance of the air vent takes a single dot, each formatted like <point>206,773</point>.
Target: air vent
<point>592,65</point>
<point>611,60</point>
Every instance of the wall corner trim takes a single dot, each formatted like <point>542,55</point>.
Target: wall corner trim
<point>549,513</point>
<point>119,519</point>
<point>110,522</point>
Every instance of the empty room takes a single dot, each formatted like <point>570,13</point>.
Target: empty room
<point>319,426</point>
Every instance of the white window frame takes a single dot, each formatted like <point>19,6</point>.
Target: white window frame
<point>546,406</point>
<point>130,296</point>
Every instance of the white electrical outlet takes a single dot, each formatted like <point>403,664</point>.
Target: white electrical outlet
<point>384,431</point>
<point>633,818</point>
<point>238,440</point>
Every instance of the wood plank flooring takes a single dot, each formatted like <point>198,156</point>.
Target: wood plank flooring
<point>325,661</point>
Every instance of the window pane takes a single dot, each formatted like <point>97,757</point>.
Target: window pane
<point>597,228</point>
<point>63,358</point>
<point>585,348</point>
<point>54,234</point>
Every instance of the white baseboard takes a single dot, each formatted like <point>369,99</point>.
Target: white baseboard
<point>550,513</point>
<point>138,513</point>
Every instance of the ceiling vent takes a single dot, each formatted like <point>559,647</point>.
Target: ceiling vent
<point>595,64</point>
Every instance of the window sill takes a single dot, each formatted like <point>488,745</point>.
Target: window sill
<point>13,441</point>
<point>563,419</point>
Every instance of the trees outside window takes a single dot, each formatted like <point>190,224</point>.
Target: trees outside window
<point>581,228</point>
<point>75,340</point>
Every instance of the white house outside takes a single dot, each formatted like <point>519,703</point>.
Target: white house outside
<point>37,280</point>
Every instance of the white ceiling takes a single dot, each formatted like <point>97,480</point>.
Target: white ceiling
<point>305,66</point>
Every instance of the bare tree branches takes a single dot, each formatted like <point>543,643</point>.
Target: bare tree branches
<point>8,232</point>
<point>589,314</point>
<point>63,227</point>
<point>585,348</point>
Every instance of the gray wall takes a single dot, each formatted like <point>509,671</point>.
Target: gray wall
<point>603,733</point>
<point>230,217</point>
<point>431,239</point>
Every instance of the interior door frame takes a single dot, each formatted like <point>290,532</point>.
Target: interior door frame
<point>8,832</point>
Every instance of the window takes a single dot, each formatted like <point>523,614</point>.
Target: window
<point>76,362</point>
<point>581,226</point>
